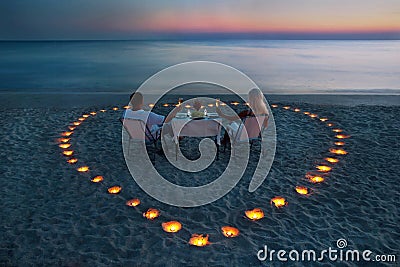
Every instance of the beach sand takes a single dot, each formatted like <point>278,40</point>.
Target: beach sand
<point>54,215</point>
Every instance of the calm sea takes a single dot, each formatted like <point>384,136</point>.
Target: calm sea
<point>276,66</point>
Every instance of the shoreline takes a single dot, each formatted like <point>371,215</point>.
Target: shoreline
<point>76,99</point>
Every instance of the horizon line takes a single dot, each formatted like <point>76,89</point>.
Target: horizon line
<point>182,36</point>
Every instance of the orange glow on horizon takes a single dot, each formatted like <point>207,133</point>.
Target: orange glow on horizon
<point>297,22</point>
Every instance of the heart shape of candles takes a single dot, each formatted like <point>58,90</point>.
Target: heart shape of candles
<point>255,214</point>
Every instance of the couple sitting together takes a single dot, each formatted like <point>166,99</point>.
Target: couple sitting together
<point>257,106</point>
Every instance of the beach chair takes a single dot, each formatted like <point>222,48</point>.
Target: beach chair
<point>250,130</point>
<point>139,131</point>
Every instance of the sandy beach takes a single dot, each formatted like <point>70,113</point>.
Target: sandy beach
<point>54,215</point>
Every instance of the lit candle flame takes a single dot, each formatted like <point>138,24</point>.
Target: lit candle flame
<point>68,152</point>
<point>230,231</point>
<point>133,202</point>
<point>323,119</point>
<point>274,105</point>
<point>279,202</point>
<point>286,107</point>
<point>83,169</point>
<point>339,143</point>
<point>63,140</point>
<point>302,190</point>
<point>151,214</point>
<point>297,110</point>
<point>66,133</point>
<point>323,168</point>
<point>199,240</point>
<point>171,226</point>
<point>338,151</point>
<point>72,161</point>
<point>332,160</point>
<point>114,189</point>
<point>315,179</point>
<point>64,145</point>
<point>342,136</point>
<point>254,214</point>
<point>97,179</point>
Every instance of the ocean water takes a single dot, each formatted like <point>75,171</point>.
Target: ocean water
<point>277,66</point>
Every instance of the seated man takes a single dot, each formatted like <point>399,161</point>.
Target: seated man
<point>154,121</point>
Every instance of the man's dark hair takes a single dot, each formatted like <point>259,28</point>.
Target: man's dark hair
<point>136,100</point>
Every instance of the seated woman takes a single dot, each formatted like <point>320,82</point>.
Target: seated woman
<point>257,107</point>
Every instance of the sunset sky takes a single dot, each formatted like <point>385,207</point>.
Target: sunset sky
<point>129,19</point>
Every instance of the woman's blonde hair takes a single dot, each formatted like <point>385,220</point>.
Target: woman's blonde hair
<point>257,102</point>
